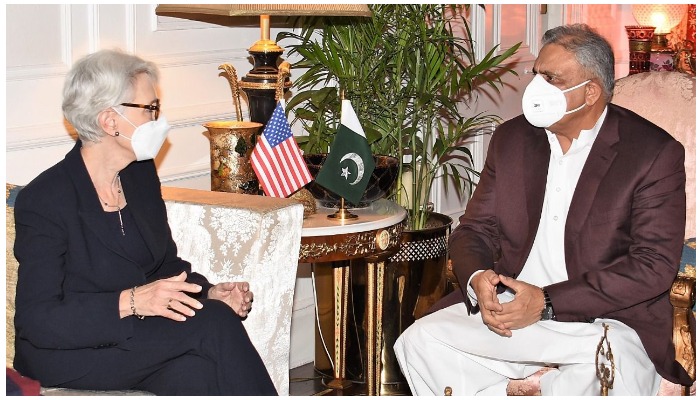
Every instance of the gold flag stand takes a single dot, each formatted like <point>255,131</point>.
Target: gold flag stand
<point>342,212</point>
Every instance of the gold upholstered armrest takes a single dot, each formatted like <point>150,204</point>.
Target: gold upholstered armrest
<point>682,299</point>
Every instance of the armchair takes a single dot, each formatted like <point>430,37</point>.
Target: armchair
<point>668,100</point>
<point>226,237</point>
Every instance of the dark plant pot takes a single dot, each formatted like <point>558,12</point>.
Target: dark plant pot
<point>414,280</point>
<point>380,184</point>
<point>422,256</point>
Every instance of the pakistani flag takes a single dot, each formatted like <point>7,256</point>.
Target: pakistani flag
<point>349,164</point>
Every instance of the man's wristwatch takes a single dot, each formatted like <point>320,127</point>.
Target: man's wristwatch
<point>547,311</point>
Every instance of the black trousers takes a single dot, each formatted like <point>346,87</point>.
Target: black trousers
<point>209,354</point>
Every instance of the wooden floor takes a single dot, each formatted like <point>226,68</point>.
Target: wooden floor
<point>305,381</point>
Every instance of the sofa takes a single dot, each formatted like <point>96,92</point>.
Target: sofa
<point>226,237</point>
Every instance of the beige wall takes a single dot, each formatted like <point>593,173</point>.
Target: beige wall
<point>43,42</point>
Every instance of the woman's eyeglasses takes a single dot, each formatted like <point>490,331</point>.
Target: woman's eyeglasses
<point>155,107</point>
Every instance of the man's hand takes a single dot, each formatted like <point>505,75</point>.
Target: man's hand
<point>525,309</point>
<point>484,285</point>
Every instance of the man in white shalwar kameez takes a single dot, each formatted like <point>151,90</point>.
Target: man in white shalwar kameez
<point>577,222</point>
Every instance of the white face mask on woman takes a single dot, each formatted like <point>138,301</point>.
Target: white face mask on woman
<point>147,138</point>
<point>545,104</point>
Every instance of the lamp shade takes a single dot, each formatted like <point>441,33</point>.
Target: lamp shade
<point>662,16</point>
<point>237,10</point>
<point>264,11</point>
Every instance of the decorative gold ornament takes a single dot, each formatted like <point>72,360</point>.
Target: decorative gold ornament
<point>604,372</point>
<point>352,246</point>
<point>383,238</point>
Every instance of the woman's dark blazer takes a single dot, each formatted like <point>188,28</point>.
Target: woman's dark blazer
<point>71,274</point>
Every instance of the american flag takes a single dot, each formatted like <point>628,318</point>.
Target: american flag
<point>277,159</point>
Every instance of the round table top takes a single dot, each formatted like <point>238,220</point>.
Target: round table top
<point>380,214</point>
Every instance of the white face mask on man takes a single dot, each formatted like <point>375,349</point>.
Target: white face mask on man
<point>545,104</point>
<point>147,138</point>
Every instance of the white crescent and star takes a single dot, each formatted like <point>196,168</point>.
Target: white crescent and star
<point>354,157</point>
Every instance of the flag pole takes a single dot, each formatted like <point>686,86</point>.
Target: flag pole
<point>342,212</point>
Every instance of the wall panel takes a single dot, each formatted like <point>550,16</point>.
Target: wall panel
<point>35,45</point>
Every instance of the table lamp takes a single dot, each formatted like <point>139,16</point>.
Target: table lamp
<point>231,142</point>
<point>260,83</point>
<point>663,17</point>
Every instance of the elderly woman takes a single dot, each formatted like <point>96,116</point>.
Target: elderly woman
<point>103,301</point>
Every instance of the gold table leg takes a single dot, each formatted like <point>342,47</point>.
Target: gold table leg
<point>341,282</point>
<point>374,310</point>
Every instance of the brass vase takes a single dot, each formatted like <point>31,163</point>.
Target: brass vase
<point>231,143</point>
<point>640,41</point>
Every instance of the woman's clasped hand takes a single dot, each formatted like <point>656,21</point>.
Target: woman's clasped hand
<point>169,298</point>
<point>237,295</point>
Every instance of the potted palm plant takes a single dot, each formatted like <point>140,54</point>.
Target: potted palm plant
<point>411,73</point>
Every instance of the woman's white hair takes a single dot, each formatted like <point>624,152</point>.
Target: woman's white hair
<point>99,81</point>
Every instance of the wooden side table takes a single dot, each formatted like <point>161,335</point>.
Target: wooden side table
<point>341,251</point>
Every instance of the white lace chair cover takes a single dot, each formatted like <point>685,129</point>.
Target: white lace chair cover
<point>238,237</point>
